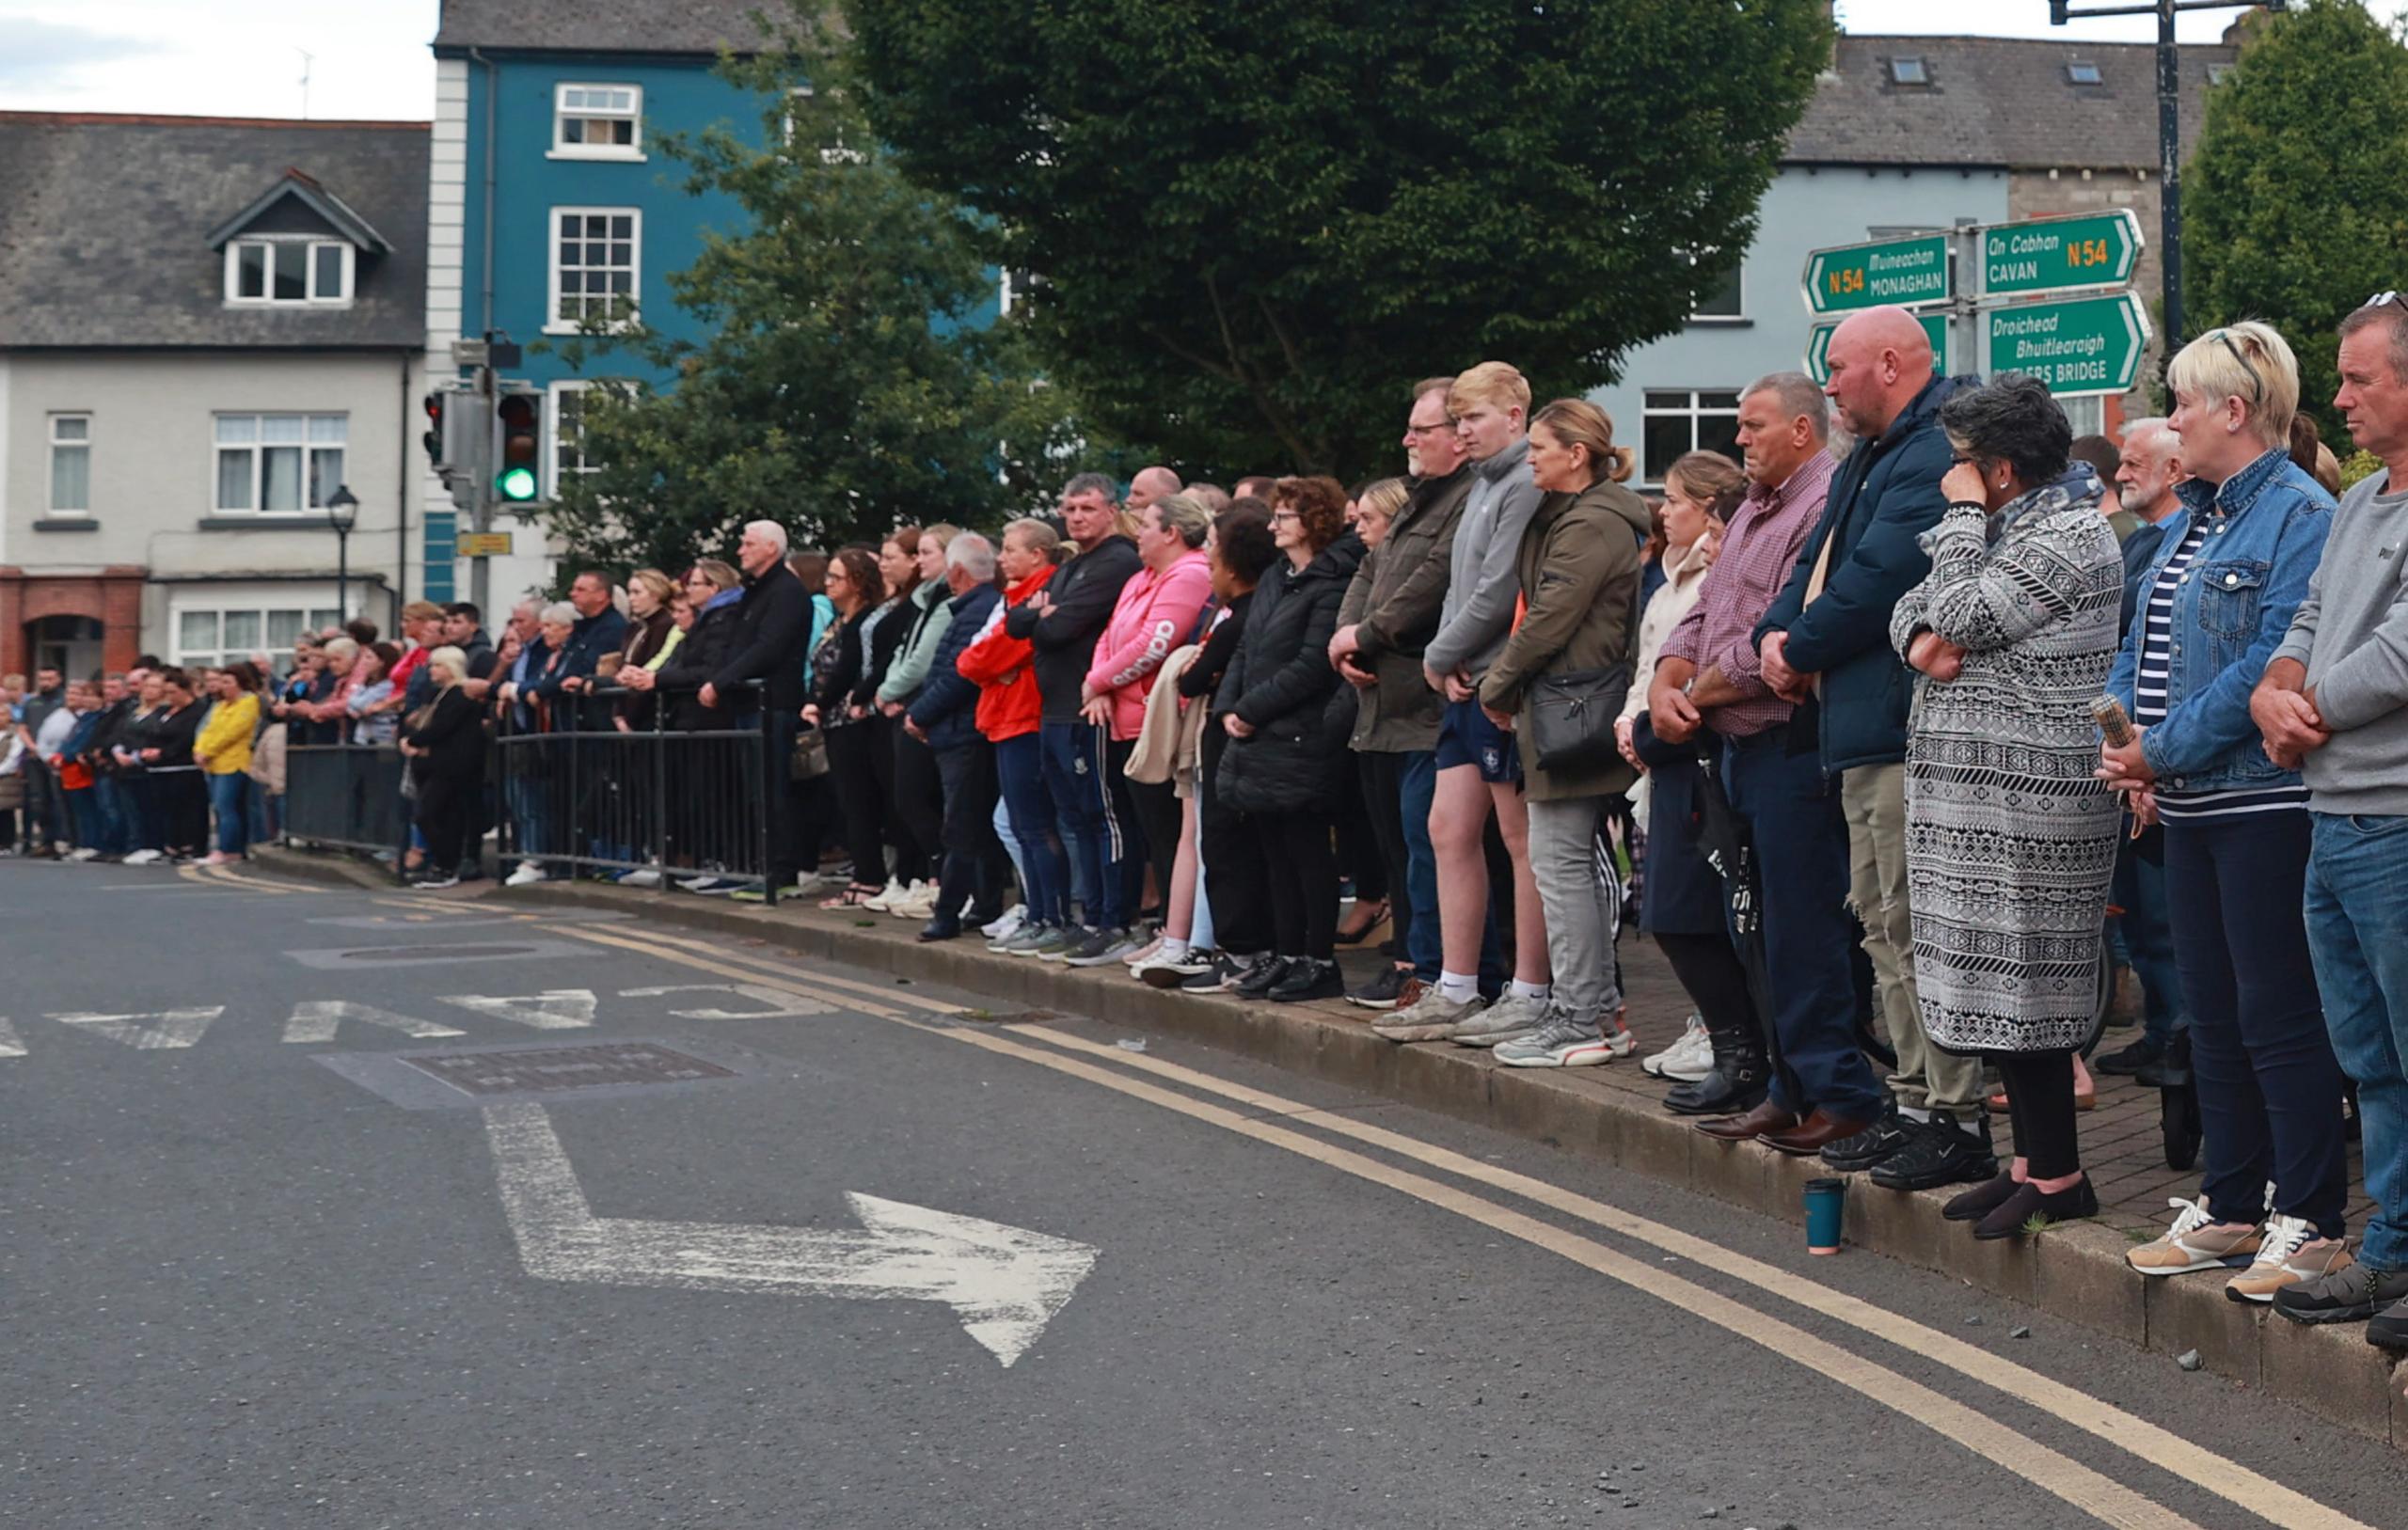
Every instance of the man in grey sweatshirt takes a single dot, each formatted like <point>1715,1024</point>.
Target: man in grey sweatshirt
<point>1479,769</point>
<point>2333,703</point>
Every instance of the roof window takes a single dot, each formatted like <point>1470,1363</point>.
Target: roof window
<point>1908,71</point>
<point>2083,74</point>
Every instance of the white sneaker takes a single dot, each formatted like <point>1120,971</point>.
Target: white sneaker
<point>86,853</point>
<point>1510,1019</point>
<point>646,876</point>
<point>918,901</point>
<point>1691,1033</point>
<point>141,857</point>
<point>883,902</point>
<point>1563,1042</point>
<point>1145,953</point>
<point>528,875</point>
<point>1007,926</point>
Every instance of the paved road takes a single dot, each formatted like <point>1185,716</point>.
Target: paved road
<point>259,1271</point>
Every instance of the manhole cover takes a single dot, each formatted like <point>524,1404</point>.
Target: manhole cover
<point>553,1070</point>
<point>380,954</point>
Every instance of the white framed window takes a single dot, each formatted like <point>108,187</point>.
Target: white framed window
<point>1726,302</point>
<point>220,635</point>
<point>289,271</point>
<point>564,402</point>
<point>597,121</point>
<point>1674,421</point>
<point>71,464</point>
<point>278,463</point>
<point>597,255</point>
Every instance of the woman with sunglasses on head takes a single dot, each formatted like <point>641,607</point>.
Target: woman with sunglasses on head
<point>2231,571</point>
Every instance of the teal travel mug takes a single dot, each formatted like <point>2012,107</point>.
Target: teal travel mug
<point>1824,1200</point>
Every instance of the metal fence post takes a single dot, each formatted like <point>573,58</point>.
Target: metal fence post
<point>660,792</point>
<point>772,773</point>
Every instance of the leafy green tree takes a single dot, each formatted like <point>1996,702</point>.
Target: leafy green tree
<point>2294,208</point>
<point>853,372</point>
<point>1255,222</point>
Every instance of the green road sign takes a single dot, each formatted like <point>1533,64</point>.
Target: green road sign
<point>2056,255</point>
<point>1818,345</point>
<point>2076,345</point>
<point>1909,271</point>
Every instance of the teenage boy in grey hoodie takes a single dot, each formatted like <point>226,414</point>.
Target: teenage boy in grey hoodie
<point>1479,769</point>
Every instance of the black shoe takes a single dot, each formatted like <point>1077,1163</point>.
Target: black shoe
<point>1982,1200</point>
<point>2173,1070</point>
<point>1225,972</point>
<point>2388,1329</point>
<point>1382,991</point>
<point>1735,1087</point>
<point>1941,1153</point>
<point>2030,1208</point>
<point>1309,978</point>
<point>2350,1294</point>
<point>1261,975</point>
<point>943,927</point>
<point>2133,1058</point>
<point>1875,1144</point>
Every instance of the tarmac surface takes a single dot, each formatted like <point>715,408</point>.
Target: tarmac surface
<point>334,1207</point>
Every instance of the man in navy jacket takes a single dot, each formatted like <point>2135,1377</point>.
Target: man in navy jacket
<point>1826,638</point>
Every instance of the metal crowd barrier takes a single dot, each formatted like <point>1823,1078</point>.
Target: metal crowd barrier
<point>344,795</point>
<point>584,796</point>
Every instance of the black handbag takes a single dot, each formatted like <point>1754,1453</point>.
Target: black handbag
<point>1572,715</point>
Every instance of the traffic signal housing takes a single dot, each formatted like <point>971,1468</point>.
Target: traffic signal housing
<point>519,418</point>
<point>435,442</point>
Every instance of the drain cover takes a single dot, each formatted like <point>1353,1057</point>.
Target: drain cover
<point>553,1070</point>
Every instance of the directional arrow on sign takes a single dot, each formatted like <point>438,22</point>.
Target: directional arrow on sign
<point>1005,1283</point>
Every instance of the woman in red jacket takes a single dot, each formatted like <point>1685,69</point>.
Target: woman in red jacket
<point>1010,711</point>
<point>1156,611</point>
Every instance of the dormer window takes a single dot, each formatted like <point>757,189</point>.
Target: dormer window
<point>289,271</point>
<point>2080,73</point>
<point>1910,71</point>
<point>597,121</point>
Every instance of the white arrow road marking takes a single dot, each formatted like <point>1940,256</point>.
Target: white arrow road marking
<point>11,1045</point>
<point>1005,1283</point>
<point>783,1003</point>
<point>176,1028</point>
<point>554,1009</point>
<point>315,1019</point>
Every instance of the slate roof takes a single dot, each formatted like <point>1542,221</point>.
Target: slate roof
<point>1997,103</point>
<point>641,26</point>
<point>105,224</point>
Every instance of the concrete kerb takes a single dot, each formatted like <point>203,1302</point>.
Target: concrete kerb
<point>2075,1274</point>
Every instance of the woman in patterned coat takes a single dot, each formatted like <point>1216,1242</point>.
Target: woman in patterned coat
<point>2010,838</point>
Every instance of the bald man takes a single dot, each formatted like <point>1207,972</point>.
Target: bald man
<point>1825,639</point>
<point>1151,483</point>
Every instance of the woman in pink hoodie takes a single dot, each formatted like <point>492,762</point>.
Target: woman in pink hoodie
<point>1156,613</point>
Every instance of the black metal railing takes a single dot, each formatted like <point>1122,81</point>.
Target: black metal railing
<point>344,795</point>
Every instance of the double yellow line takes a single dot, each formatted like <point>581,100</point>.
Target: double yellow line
<point>1113,1068</point>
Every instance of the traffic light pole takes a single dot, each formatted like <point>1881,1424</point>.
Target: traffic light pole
<point>481,504</point>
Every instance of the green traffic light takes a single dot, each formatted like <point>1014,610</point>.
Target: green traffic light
<point>515,483</point>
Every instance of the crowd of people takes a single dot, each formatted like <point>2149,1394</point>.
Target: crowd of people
<point>1920,719</point>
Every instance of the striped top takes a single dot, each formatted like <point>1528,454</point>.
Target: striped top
<point>2150,683</point>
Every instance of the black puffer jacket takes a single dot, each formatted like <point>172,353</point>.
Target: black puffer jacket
<point>1280,681</point>
<point>689,668</point>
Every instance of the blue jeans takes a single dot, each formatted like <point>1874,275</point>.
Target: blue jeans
<point>1045,870</point>
<point>117,815</point>
<point>230,794</point>
<point>84,809</point>
<point>1417,781</point>
<point>2358,931</point>
<point>2148,932</point>
<point>1802,862</point>
<point>2270,1090</point>
<point>1075,777</point>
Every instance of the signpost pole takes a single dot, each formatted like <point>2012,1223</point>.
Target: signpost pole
<point>480,506</point>
<point>1966,315</point>
<point>2169,171</point>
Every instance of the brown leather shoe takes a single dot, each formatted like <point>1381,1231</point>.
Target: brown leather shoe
<point>1817,1131</point>
<point>1741,1129</point>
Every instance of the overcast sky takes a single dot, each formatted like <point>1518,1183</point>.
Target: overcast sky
<point>244,58</point>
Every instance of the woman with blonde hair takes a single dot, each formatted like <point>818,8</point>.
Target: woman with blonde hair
<point>445,742</point>
<point>2231,571</point>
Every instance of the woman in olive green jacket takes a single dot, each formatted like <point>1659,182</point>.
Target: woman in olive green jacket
<point>1579,569</point>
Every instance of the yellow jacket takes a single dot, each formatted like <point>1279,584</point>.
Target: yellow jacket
<point>226,742</point>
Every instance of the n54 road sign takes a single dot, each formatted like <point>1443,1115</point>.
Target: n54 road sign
<point>1905,271</point>
<point>2056,255</point>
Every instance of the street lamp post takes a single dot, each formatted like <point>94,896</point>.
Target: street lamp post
<point>343,514</point>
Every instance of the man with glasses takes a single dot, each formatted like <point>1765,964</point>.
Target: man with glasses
<point>1826,640</point>
<point>2335,700</point>
<point>1389,615</point>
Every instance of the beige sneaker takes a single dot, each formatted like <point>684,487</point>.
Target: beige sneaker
<point>2196,1241</point>
<point>2289,1251</point>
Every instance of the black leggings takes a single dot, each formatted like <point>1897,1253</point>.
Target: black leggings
<point>1360,849</point>
<point>1160,814</point>
<point>443,807</point>
<point>1382,774</point>
<point>1708,968</point>
<point>860,806</point>
<point>1235,876</point>
<point>1304,882</point>
<point>2039,1102</point>
<point>914,807</point>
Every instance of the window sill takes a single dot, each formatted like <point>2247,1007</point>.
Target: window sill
<point>67,523</point>
<point>277,520</point>
<point>558,329</point>
<point>1720,320</point>
<point>302,305</point>
<point>600,156</point>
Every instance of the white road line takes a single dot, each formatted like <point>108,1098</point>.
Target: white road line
<point>784,1003</point>
<point>11,1045</point>
<point>316,1020</point>
<point>554,1009</point>
<point>1005,1283</point>
<point>160,1031</point>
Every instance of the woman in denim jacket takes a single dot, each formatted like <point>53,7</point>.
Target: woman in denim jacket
<point>2229,571</point>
